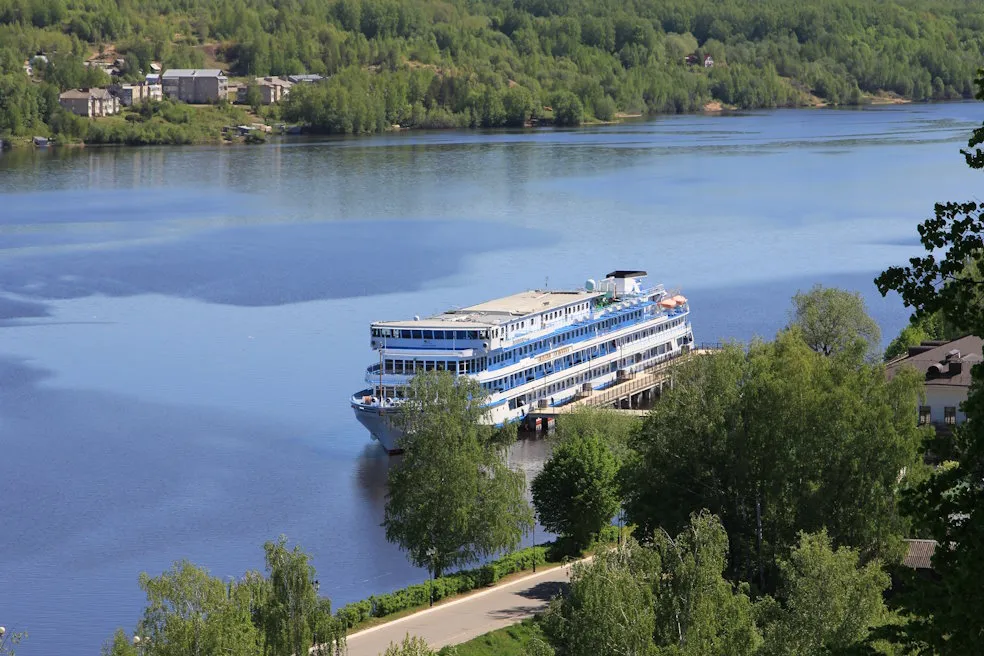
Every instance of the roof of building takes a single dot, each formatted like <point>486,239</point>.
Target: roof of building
<point>305,77</point>
<point>85,94</point>
<point>919,554</point>
<point>942,363</point>
<point>192,72</point>
<point>273,82</point>
<point>619,273</point>
<point>502,310</point>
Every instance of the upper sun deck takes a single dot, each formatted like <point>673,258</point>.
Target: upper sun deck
<point>500,311</point>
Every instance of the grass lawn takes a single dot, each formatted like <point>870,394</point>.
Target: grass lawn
<point>510,641</point>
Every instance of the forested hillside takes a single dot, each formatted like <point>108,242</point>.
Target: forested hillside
<point>499,62</point>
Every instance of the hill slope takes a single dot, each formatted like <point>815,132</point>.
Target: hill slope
<point>498,62</point>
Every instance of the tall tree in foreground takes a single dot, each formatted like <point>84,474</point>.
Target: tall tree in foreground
<point>576,492</point>
<point>295,618</point>
<point>774,441</point>
<point>828,601</point>
<point>452,499</point>
<point>833,320</point>
<point>670,598</point>
<point>950,505</point>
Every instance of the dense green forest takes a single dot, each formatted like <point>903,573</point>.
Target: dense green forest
<point>491,63</point>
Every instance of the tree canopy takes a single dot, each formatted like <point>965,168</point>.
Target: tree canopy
<point>576,492</point>
<point>777,440</point>
<point>452,499</point>
<point>833,321</point>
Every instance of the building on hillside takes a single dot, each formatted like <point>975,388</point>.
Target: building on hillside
<point>708,61</point>
<point>272,90</point>
<point>138,92</point>
<point>195,85</point>
<point>306,78</point>
<point>89,102</point>
<point>945,367</point>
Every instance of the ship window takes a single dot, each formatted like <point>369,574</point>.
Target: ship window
<point>440,365</point>
<point>428,334</point>
<point>472,334</point>
<point>405,334</point>
<point>416,334</point>
<point>398,366</point>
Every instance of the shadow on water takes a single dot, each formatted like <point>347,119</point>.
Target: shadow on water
<point>259,265</point>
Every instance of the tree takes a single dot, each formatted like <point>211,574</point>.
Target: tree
<point>774,441</point>
<point>667,598</point>
<point>829,600</point>
<point>698,611</point>
<point>411,646</point>
<point>567,109</point>
<point>576,493</point>
<point>452,499</point>
<point>949,506</point>
<point>833,320</point>
<point>191,613</point>
<point>609,607</point>
<point>119,645</point>
<point>295,617</point>
<point>253,96</point>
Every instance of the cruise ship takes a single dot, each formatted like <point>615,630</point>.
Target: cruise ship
<point>530,350</point>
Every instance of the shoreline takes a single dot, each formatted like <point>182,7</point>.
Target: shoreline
<point>23,143</point>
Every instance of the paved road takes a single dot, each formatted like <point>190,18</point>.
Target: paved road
<point>466,618</point>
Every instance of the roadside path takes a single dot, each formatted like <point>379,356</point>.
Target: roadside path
<point>462,619</point>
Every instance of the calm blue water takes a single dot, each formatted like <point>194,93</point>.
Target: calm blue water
<point>180,328</point>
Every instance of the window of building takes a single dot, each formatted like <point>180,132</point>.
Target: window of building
<point>925,415</point>
<point>950,415</point>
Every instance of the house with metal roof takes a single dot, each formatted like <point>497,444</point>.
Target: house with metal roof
<point>945,367</point>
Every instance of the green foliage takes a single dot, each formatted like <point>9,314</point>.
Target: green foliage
<point>443,587</point>
<point>576,492</point>
<point>411,646</point>
<point>614,427</point>
<point>670,598</point>
<point>829,601</point>
<point>834,321</point>
<point>191,612</point>
<point>119,645</point>
<point>626,57</point>
<point>777,440</point>
<point>294,618</point>
<point>567,108</point>
<point>609,607</point>
<point>947,279</point>
<point>452,499</point>
<point>919,330</point>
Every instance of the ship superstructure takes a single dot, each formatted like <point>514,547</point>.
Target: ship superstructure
<point>529,350</point>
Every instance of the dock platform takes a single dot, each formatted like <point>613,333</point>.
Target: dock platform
<point>629,396</point>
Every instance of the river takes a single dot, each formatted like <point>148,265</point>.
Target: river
<point>180,328</point>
